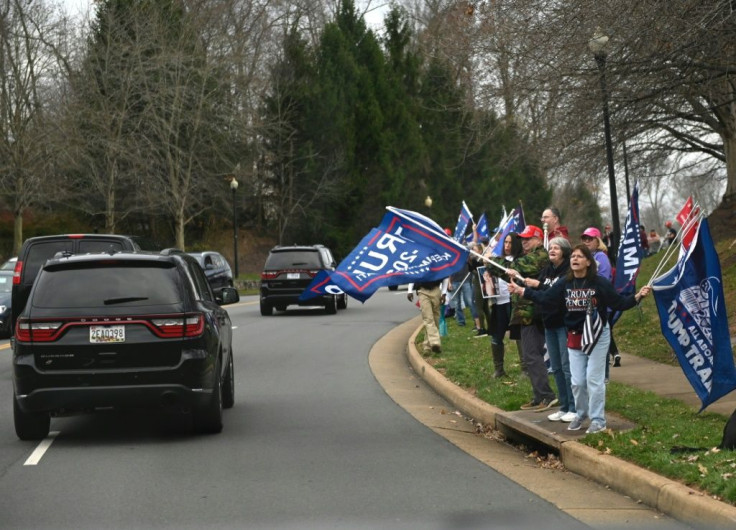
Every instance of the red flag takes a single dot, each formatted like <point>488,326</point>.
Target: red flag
<point>684,214</point>
<point>687,219</point>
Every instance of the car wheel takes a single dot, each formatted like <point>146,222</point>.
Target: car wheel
<point>393,287</point>
<point>266,309</point>
<point>30,425</point>
<point>228,386</point>
<point>342,301</point>
<point>208,418</point>
<point>331,305</point>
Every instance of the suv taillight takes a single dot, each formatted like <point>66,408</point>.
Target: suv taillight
<point>26,331</point>
<point>269,275</point>
<point>16,272</point>
<point>174,326</point>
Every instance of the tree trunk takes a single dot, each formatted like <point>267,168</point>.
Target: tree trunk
<point>729,147</point>
<point>17,233</point>
<point>180,231</point>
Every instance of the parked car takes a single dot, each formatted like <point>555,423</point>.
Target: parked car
<point>9,265</point>
<point>289,270</point>
<point>36,250</point>
<point>124,330</point>
<point>216,268</point>
<point>6,282</point>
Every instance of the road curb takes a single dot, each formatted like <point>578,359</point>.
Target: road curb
<point>666,495</point>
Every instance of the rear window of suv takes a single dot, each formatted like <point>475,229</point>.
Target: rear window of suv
<point>299,259</point>
<point>107,286</point>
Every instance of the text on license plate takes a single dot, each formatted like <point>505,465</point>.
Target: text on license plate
<point>292,275</point>
<point>107,333</point>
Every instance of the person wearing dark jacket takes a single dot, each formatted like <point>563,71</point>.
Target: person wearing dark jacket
<point>529,265</point>
<point>581,290</point>
<point>555,332</point>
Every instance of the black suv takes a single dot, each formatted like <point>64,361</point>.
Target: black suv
<point>36,250</point>
<point>122,330</point>
<point>216,268</point>
<point>289,270</point>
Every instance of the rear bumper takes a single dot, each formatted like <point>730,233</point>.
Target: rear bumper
<point>186,385</point>
<point>278,299</point>
<point>70,399</point>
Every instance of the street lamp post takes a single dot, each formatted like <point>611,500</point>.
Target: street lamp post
<point>234,188</point>
<point>597,45</point>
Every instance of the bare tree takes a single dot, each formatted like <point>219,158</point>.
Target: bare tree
<point>27,75</point>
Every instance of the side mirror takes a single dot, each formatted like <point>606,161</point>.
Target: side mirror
<point>227,295</point>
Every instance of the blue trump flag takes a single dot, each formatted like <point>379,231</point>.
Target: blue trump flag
<point>482,227</point>
<point>514,223</point>
<point>692,315</point>
<point>463,220</point>
<point>406,247</point>
<point>630,253</point>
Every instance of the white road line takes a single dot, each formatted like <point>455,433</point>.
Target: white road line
<point>38,453</point>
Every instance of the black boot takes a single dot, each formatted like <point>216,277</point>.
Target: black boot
<point>498,353</point>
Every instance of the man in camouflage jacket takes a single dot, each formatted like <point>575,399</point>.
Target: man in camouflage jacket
<point>529,265</point>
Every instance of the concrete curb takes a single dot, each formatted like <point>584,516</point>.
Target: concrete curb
<point>667,496</point>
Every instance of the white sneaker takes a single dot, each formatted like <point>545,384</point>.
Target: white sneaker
<point>567,417</point>
<point>556,416</point>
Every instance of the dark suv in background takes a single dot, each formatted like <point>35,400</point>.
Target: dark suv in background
<point>36,250</point>
<point>289,270</point>
<point>122,330</point>
<point>216,268</point>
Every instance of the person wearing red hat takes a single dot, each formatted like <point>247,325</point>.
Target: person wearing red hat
<point>529,265</point>
<point>670,235</point>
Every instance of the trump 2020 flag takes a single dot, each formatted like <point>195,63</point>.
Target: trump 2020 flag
<point>630,253</point>
<point>406,247</point>
<point>463,220</point>
<point>692,315</point>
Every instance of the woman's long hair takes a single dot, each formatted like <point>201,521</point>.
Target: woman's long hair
<point>516,248</point>
<point>592,271</point>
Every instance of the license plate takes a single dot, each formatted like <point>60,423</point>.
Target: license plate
<point>104,334</point>
<point>293,275</point>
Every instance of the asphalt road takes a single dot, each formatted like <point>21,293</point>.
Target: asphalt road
<point>312,442</point>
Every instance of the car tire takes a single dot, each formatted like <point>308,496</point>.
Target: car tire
<point>331,305</point>
<point>393,287</point>
<point>30,425</point>
<point>208,418</point>
<point>342,301</point>
<point>228,385</point>
<point>266,309</point>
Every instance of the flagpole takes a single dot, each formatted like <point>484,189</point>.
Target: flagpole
<point>458,288</point>
<point>671,249</point>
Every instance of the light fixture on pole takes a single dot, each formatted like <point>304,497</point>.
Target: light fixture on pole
<point>597,45</point>
<point>234,188</point>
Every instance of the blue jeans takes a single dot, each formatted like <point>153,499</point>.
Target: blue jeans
<point>559,361</point>
<point>466,296</point>
<point>588,379</point>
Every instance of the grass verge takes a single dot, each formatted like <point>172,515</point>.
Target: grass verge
<point>662,423</point>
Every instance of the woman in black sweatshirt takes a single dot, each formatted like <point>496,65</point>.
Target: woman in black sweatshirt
<point>581,289</point>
